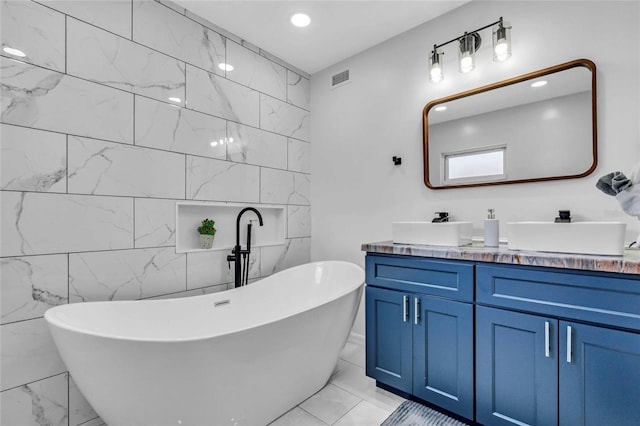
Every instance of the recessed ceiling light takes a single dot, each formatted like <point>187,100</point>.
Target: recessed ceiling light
<point>441,108</point>
<point>225,67</point>
<point>539,83</point>
<point>14,52</point>
<point>300,20</point>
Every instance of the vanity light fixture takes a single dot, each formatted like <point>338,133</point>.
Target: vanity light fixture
<point>15,52</point>
<point>468,44</point>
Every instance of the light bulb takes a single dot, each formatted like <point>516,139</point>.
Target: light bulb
<point>436,73</point>
<point>435,65</point>
<point>466,63</point>
<point>502,50</point>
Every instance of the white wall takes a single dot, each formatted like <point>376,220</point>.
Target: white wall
<point>357,128</point>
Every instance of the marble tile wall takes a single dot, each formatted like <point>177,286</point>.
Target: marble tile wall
<point>118,110</point>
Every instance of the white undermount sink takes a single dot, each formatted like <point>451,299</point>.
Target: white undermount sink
<point>600,238</point>
<point>437,234</point>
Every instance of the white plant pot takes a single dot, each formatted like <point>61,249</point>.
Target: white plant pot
<point>206,241</point>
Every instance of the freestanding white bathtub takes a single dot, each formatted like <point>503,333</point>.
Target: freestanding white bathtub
<point>239,357</point>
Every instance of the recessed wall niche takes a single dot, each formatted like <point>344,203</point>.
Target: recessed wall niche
<point>190,214</point>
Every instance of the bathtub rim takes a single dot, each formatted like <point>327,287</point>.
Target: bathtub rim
<point>54,321</point>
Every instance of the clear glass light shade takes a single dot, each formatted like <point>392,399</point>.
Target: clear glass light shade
<point>435,66</point>
<point>501,42</point>
<point>466,53</point>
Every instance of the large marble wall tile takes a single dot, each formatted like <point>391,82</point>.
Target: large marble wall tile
<point>155,222</point>
<point>44,99</point>
<point>283,187</point>
<point>220,97</point>
<point>211,268</point>
<point>278,258</point>
<point>255,146</point>
<point>164,126</point>
<point>224,33</point>
<point>298,91</point>
<point>106,168</point>
<point>32,160</point>
<point>80,411</point>
<point>31,285</point>
<point>298,221</point>
<point>35,30</point>
<point>255,71</point>
<point>111,15</point>
<point>39,223</point>
<point>167,31</point>
<point>283,118</point>
<point>40,403</point>
<point>27,353</point>
<point>126,274</point>
<point>277,60</point>
<point>216,180</point>
<point>299,154</point>
<point>103,57</point>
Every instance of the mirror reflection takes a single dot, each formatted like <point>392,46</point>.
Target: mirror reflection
<point>539,126</point>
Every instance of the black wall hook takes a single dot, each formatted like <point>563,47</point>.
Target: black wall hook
<point>397,160</point>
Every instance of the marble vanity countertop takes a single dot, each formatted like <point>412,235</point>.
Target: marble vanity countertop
<point>629,263</point>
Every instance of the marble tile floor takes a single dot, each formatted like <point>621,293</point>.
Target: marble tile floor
<point>349,399</point>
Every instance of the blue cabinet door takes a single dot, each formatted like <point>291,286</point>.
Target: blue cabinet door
<point>388,337</point>
<point>443,353</point>
<point>516,368</point>
<point>599,376</point>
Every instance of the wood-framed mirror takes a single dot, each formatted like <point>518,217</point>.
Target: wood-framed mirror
<point>538,126</point>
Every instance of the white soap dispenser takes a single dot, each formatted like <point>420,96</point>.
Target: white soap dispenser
<point>491,229</point>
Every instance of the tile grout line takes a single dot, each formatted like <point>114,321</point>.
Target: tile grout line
<point>311,414</point>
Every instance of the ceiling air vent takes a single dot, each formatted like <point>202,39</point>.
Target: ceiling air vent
<point>340,78</point>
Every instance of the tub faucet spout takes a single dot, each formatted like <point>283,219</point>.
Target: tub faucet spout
<point>242,277</point>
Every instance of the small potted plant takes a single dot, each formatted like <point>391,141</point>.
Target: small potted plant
<point>206,231</point>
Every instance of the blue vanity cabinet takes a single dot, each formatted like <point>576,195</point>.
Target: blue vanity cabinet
<point>389,338</point>
<point>557,347</point>
<point>516,368</point>
<point>443,353</point>
<point>417,340</point>
<point>599,376</point>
